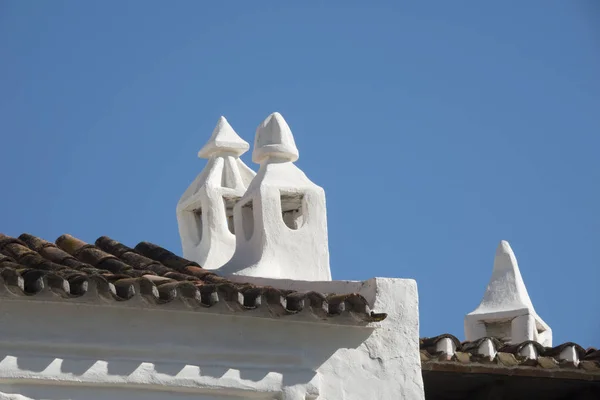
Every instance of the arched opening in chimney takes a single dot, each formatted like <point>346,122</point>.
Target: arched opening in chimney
<point>228,204</point>
<point>292,209</point>
<point>499,329</point>
<point>227,175</point>
<point>248,219</point>
<point>195,228</point>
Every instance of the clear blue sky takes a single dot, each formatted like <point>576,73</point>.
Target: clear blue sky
<point>436,128</point>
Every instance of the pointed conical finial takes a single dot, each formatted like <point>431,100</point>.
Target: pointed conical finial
<point>506,289</point>
<point>224,139</point>
<point>274,139</point>
<point>506,310</point>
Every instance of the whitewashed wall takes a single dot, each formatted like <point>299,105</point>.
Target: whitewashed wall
<point>62,349</point>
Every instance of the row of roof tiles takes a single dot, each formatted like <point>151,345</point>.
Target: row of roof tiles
<point>489,350</point>
<point>109,270</point>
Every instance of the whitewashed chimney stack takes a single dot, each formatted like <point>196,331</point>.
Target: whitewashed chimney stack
<point>205,211</point>
<point>506,310</point>
<point>281,221</point>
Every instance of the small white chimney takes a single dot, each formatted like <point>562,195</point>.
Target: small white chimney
<point>506,311</point>
<point>205,211</point>
<point>281,221</point>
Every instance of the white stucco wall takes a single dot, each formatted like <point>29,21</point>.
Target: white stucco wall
<point>66,349</point>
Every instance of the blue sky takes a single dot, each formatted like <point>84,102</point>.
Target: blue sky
<point>436,128</point>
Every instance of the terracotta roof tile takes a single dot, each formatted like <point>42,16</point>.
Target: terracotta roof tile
<point>592,354</point>
<point>506,357</point>
<point>109,270</point>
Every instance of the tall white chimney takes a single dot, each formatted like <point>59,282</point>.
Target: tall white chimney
<point>205,211</point>
<point>281,221</point>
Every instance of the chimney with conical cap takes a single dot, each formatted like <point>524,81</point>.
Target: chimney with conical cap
<point>281,221</point>
<point>506,311</point>
<point>205,211</point>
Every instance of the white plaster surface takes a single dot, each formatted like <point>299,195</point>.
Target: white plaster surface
<point>274,139</point>
<point>529,351</point>
<point>202,211</point>
<point>281,221</point>
<point>487,349</point>
<point>446,346</point>
<point>506,307</point>
<point>60,349</point>
<point>569,353</point>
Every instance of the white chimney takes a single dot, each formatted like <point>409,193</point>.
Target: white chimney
<point>281,221</point>
<point>205,211</point>
<point>506,311</point>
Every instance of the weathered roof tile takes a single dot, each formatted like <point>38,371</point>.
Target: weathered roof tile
<point>72,269</point>
<point>562,358</point>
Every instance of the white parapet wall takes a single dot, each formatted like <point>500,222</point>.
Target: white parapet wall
<point>70,349</point>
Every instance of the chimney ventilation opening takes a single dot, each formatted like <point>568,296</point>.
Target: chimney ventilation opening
<point>292,210</point>
<point>195,230</point>
<point>228,204</point>
<point>499,329</point>
<point>248,219</point>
